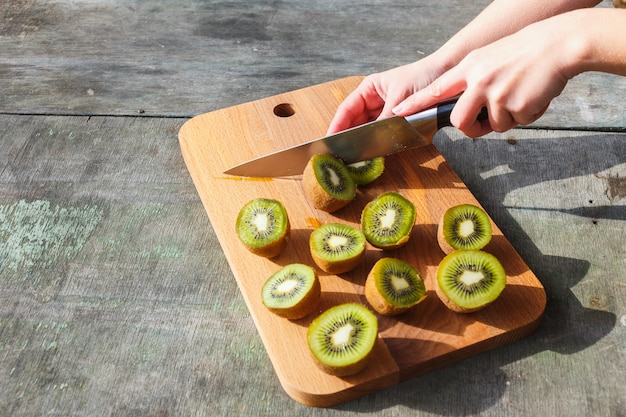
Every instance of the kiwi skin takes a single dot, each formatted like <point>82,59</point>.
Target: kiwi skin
<point>357,364</point>
<point>306,305</point>
<point>445,245</point>
<point>336,266</point>
<point>317,195</point>
<point>270,249</point>
<point>458,306</point>
<point>375,297</point>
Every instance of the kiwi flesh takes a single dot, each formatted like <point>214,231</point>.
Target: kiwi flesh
<point>366,172</point>
<point>263,227</point>
<point>464,226</point>
<point>292,292</point>
<point>387,221</point>
<point>342,338</point>
<point>394,286</point>
<point>327,183</point>
<point>469,280</point>
<point>336,247</point>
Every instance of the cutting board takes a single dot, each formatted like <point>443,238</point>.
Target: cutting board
<point>428,337</point>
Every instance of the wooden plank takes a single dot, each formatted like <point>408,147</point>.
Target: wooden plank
<point>157,58</point>
<point>430,336</point>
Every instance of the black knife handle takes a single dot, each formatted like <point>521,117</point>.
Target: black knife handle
<point>444,110</point>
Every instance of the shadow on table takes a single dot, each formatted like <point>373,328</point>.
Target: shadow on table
<point>476,384</point>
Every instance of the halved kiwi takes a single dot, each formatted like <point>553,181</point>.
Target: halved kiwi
<point>292,292</point>
<point>365,172</point>
<point>327,183</point>
<point>263,227</point>
<point>394,286</point>
<point>469,280</point>
<point>464,226</point>
<point>342,338</point>
<point>337,248</point>
<point>387,221</point>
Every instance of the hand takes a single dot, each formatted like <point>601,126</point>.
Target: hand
<point>515,77</point>
<point>379,93</point>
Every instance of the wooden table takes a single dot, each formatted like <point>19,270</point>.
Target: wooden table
<point>115,296</point>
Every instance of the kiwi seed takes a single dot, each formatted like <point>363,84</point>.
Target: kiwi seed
<point>342,338</point>
<point>263,227</point>
<point>365,172</point>
<point>337,248</point>
<point>292,292</point>
<point>387,221</point>
<point>393,287</point>
<point>327,183</point>
<point>469,280</point>
<point>464,226</point>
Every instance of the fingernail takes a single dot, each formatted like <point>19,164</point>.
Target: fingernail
<point>398,109</point>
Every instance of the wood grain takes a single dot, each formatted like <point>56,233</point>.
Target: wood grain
<point>428,337</point>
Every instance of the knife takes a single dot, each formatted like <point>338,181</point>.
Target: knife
<point>378,138</point>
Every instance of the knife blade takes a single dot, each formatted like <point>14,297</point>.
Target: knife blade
<point>378,138</point>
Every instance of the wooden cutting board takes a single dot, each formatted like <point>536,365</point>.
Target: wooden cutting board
<point>428,337</point>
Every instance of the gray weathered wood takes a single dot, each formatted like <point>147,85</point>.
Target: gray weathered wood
<point>117,299</point>
<point>182,59</point>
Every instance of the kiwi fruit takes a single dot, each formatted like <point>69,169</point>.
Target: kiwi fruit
<point>393,287</point>
<point>292,292</point>
<point>337,248</point>
<point>387,221</point>
<point>327,183</point>
<point>365,172</point>
<point>263,227</point>
<point>464,226</point>
<point>342,338</point>
<point>469,280</point>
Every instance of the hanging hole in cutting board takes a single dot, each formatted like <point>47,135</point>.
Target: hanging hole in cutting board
<point>284,110</point>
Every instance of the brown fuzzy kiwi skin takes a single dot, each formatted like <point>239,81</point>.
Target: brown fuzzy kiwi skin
<point>273,249</point>
<point>337,267</point>
<point>441,240</point>
<point>317,195</point>
<point>305,307</point>
<point>452,305</point>
<point>347,370</point>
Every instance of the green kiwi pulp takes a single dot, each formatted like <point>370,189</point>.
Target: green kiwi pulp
<point>394,286</point>
<point>365,172</point>
<point>263,227</point>
<point>327,183</point>
<point>387,221</point>
<point>469,280</point>
<point>292,292</point>
<point>342,338</point>
<point>337,248</point>
<point>464,226</point>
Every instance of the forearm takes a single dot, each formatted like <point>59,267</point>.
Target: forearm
<point>601,46</point>
<point>502,18</point>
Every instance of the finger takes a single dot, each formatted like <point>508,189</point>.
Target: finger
<point>448,85</point>
<point>361,106</point>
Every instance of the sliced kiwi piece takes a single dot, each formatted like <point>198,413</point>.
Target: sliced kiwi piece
<point>342,338</point>
<point>292,292</point>
<point>464,226</point>
<point>327,183</point>
<point>365,172</point>
<point>387,221</point>
<point>469,280</point>
<point>394,286</point>
<point>337,248</point>
<point>263,227</point>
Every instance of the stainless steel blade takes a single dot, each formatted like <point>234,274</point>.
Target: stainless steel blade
<point>379,138</point>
